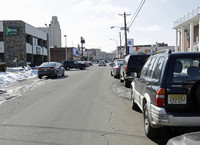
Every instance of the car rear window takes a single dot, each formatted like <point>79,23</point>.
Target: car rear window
<point>47,65</point>
<point>137,61</point>
<point>185,70</point>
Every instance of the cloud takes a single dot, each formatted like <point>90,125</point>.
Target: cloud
<point>154,28</point>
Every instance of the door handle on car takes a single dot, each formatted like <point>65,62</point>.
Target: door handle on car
<point>147,83</point>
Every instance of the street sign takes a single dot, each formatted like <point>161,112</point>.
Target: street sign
<point>130,42</point>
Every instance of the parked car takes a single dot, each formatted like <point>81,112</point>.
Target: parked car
<point>68,64</point>
<point>90,63</point>
<point>50,69</point>
<point>131,67</point>
<point>192,138</point>
<point>115,69</point>
<point>102,63</point>
<point>168,91</point>
<point>111,64</point>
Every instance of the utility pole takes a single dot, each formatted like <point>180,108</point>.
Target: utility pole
<point>125,31</point>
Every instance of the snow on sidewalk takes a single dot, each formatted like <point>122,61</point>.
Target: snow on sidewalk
<point>16,74</point>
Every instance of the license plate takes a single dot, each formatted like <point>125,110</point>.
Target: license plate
<point>177,99</point>
<point>133,74</point>
<point>45,69</point>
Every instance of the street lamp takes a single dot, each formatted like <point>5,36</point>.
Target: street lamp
<point>65,40</point>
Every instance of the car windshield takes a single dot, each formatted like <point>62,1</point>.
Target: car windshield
<point>186,70</point>
<point>136,62</point>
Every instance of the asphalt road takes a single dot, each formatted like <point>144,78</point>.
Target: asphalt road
<point>87,107</point>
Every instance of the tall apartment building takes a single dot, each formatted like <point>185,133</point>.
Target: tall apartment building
<point>21,43</point>
<point>54,32</point>
<point>188,32</point>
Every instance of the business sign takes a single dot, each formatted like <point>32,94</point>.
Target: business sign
<point>12,31</point>
<point>76,52</point>
<point>130,42</point>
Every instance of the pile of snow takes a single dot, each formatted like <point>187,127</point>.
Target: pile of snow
<point>17,74</point>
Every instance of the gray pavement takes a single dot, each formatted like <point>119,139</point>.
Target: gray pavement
<point>87,107</point>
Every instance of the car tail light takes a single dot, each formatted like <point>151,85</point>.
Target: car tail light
<point>117,68</point>
<point>39,68</point>
<point>126,68</point>
<point>52,68</point>
<point>160,98</point>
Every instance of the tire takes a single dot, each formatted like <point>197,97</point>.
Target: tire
<point>134,105</point>
<point>82,68</point>
<point>127,83</point>
<point>121,79</point>
<point>56,75</point>
<point>111,73</point>
<point>67,68</point>
<point>150,132</point>
<point>63,74</point>
<point>40,77</point>
<point>198,95</point>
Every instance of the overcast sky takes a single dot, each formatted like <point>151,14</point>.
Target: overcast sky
<point>92,19</point>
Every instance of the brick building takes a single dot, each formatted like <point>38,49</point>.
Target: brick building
<point>63,53</point>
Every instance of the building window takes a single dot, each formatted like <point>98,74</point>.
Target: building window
<point>1,36</point>
<point>28,39</point>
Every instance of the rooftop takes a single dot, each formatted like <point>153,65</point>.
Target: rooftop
<point>195,13</point>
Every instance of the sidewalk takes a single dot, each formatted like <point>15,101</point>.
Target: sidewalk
<point>16,74</point>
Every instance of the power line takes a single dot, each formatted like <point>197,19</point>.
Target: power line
<point>137,12</point>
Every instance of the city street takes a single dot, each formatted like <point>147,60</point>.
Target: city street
<point>85,107</point>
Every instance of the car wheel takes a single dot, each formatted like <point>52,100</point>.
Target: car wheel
<point>67,68</point>
<point>56,75</point>
<point>121,79</point>
<point>39,77</point>
<point>134,105</point>
<point>150,132</point>
<point>63,74</point>
<point>82,68</point>
<point>197,95</point>
<point>127,83</point>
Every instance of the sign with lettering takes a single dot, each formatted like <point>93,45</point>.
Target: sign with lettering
<point>12,31</point>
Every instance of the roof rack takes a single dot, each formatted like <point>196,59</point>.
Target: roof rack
<point>167,51</point>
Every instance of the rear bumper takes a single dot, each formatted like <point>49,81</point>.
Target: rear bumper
<point>159,117</point>
<point>116,72</point>
<point>46,73</point>
<point>129,78</point>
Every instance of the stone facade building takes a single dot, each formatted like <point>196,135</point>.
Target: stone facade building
<point>21,43</point>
